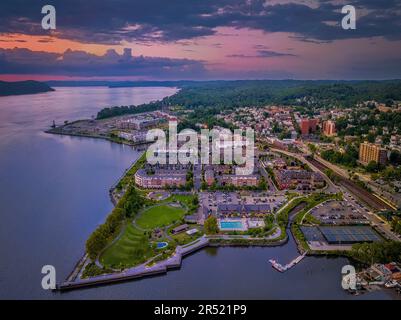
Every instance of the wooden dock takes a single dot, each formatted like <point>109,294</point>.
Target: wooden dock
<point>283,268</point>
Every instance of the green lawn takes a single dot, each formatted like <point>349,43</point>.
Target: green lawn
<point>159,216</point>
<point>132,248</point>
<point>185,199</point>
<point>183,238</point>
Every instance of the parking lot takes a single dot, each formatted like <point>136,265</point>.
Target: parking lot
<point>339,213</point>
<point>211,200</point>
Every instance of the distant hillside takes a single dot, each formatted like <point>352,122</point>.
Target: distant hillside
<point>213,96</point>
<point>23,87</point>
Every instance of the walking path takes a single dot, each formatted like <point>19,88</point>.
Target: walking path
<point>275,235</point>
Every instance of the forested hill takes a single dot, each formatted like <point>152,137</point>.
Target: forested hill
<point>23,87</point>
<point>232,94</point>
<point>287,92</point>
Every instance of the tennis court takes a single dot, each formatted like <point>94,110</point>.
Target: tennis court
<point>349,234</point>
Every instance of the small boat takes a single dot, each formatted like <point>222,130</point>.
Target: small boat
<point>391,284</point>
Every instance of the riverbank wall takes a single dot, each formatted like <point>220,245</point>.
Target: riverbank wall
<point>141,271</point>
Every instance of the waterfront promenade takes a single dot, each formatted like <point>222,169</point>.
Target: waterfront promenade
<point>140,271</point>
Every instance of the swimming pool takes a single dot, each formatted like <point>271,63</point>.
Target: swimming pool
<point>161,245</point>
<point>231,225</point>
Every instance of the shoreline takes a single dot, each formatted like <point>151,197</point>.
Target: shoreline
<point>57,131</point>
<point>141,271</point>
<point>174,262</point>
<point>161,267</point>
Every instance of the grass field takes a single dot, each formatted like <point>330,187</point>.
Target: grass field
<point>132,248</point>
<point>159,216</point>
<point>183,238</point>
<point>182,198</point>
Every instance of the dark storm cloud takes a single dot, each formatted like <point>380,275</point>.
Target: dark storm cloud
<point>110,22</point>
<point>81,63</point>
<point>375,4</point>
<point>270,54</point>
<point>262,54</point>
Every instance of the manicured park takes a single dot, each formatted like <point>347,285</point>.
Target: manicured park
<point>134,245</point>
<point>132,248</point>
<point>159,215</point>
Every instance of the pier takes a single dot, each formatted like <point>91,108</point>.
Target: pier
<point>283,268</point>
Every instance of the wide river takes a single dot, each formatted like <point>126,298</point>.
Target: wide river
<point>54,192</point>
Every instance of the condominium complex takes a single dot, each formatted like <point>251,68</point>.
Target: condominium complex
<point>159,179</point>
<point>298,179</point>
<point>251,180</point>
<point>224,209</point>
<point>141,121</point>
<point>371,152</point>
<point>135,136</point>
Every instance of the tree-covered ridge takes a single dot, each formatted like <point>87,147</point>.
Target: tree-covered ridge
<point>121,110</point>
<point>220,95</point>
<point>23,87</point>
<point>286,92</point>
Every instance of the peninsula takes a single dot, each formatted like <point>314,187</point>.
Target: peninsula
<point>23,87</point>
<point>166,211</point>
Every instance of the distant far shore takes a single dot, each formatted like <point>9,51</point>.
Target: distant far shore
<point>23,87</point>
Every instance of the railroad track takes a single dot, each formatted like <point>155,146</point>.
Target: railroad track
<point>364,195</point>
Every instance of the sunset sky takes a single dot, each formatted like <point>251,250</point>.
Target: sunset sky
<point>199,39</point>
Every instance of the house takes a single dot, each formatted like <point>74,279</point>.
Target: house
<point>395,270</point>
<point>245,209</point>
<point>379,272</point>
<point>191,231</point>
<point>180,229</point>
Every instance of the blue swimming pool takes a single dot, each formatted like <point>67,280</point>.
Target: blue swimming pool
<point>161,245</point>
<point>231,225</point>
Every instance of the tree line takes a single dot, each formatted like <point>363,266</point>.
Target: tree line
<point>222,95</point>
<point>377,252</point>
<point>127,207</point>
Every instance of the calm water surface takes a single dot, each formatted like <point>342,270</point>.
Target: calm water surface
<point>54,192</point>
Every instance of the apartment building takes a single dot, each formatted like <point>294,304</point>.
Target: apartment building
<point>250,180</point>
<point>159,180</point>
<point>372,152</point>
<point>329,128</point>
<point>298,179</point>
<point>308,126</point>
